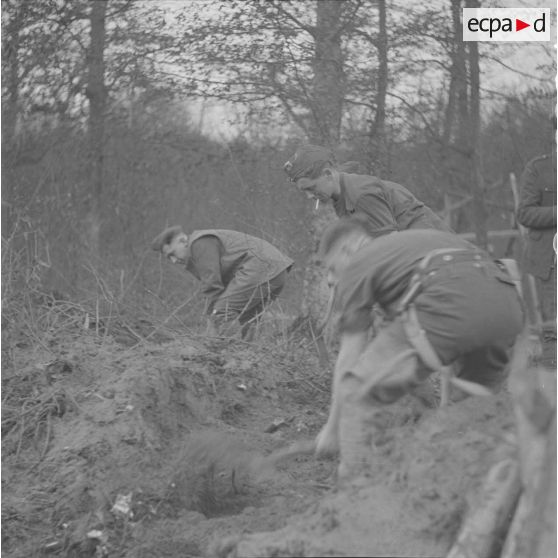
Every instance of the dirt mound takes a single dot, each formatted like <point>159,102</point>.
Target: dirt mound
<point>102,443</point>
<point>426,475</point>
<point>95,423</point>
<point>163,450</point>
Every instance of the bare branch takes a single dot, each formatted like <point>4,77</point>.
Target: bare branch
<point>279,6</point>
<point>515,70</point>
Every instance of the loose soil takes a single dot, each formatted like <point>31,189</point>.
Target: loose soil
<point>158,450</point>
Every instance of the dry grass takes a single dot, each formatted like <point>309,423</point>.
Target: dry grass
<point>27,413</point>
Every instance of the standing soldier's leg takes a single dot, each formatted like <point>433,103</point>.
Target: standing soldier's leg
<point>547,296</point>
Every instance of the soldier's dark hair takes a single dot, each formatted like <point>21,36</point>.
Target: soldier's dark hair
<point>166,237</point>
<point>340,229</point>
<point>316,169</point>
<point>351,167</point>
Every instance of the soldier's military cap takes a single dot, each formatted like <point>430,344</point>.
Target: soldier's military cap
<point>304,158</point>
<point>165,237</point>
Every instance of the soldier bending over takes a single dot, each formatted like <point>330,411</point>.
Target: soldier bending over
<point>240,274</point>
<point>445,301</point>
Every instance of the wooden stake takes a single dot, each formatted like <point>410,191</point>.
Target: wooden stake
<point>485,526</point>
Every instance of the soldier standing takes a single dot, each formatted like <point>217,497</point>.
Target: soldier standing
<point>537,212</point>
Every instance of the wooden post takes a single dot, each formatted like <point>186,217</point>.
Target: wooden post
<point>529,480</point>
<point>533,390</point>
<point>485,526</point>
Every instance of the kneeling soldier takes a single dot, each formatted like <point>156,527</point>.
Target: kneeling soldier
<point>445,301</point>
<point>240,273</point>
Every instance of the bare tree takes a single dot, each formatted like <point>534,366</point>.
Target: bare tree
<point>97,95</point>
<point>465,79</point>
<point>11,64</point>
<point>474,144</point>
<point>329,81</point>
<point>326,106</point>
<point>378,140</point>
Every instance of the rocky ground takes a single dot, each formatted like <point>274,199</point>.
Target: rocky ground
<point>159,450</point>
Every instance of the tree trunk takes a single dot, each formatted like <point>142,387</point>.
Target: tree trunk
<point>476,178</point>
<point>329,79</point>
<point>96,93</point>
<point>465,92</point>
<point>326,106</point>
<point>315,292</point>
<point>378,143</point>
<point>11,55</point>
<point>449,114</point>
<point>460,72</point>
<point>9,117</point>
<point>447,128</point>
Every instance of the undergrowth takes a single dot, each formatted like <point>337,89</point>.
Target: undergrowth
<point>38,318</point>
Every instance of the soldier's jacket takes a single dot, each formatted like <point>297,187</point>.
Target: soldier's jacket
<point>388,206</point>
<point>537,212</point>
<point>237,262</point>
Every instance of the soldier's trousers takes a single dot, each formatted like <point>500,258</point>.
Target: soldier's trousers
<point>244,303</point>
<point>547,297</point>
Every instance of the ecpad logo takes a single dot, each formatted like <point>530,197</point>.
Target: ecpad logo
<point>506,24</point>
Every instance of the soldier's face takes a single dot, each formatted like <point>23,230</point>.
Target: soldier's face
<point>323,188</point>
<point>177,250</point>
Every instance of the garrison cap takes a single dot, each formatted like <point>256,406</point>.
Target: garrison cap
<point>304,158</point>
<point>165,237</point>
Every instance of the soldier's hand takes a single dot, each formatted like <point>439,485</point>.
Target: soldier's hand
<point>327,441</point>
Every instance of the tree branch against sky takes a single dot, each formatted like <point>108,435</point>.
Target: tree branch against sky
<point>375,74</point>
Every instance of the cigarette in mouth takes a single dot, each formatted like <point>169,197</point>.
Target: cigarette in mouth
<point>317,205</point>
